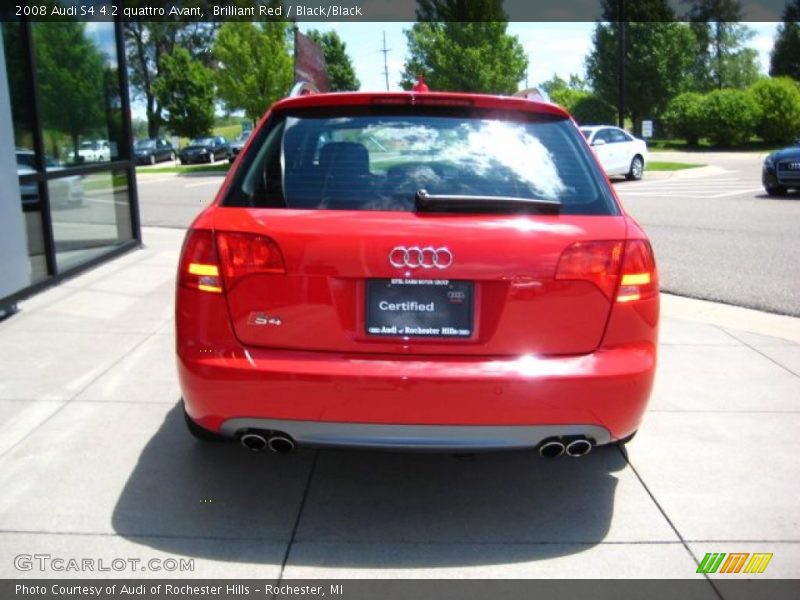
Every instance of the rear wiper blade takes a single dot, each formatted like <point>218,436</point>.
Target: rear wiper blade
<point>431,202</point>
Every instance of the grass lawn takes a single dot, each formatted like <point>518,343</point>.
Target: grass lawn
<point>753,145</point>
<point>215,168</point>
<point>657,165</point>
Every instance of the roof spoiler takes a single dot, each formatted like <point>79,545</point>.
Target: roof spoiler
<point>303,88</point>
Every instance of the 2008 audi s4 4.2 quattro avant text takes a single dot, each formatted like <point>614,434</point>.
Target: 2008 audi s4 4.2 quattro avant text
<point>416,271</point>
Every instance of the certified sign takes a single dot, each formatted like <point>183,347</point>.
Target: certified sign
<point>647,129</point>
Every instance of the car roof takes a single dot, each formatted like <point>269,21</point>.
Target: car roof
<point>421,99</point>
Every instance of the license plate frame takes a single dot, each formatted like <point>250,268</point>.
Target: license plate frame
<point>420,308</point>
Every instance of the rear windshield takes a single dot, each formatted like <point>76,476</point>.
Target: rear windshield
<point>370,158</point>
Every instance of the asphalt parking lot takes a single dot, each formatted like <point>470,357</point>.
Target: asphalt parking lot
<point>716,234</point>
<point>95,462</point>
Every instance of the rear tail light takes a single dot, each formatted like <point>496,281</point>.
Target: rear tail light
<point>596,262</point>
<point>206,261</point>
<point>199,268</point>
<point>243,254</point>
<point>639,276</point>
<point>625,268</point>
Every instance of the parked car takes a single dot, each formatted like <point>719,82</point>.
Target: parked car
<point>781,171</point>
<point>152,151</point>
<point>618,151</point>
<point>238,144</point>
<point>64,192</point>
<point>92,151</point>
<point>205,150</point>
<point>470,283</point>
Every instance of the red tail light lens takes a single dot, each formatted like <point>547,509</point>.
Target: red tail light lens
<point>199,267</point>
<point>243,254</point>
<point>607,263</point>
<point>639,276</point>
<point>597,262</point>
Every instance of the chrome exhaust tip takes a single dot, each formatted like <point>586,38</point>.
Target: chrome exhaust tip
<point>281,444</point>
<point>578,448</point>
<point>551,449</point>
<point>253,441</point>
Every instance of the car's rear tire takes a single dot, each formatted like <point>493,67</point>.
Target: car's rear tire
<point>775,190</point>
<point>637,169</point>
<point>201,433</point>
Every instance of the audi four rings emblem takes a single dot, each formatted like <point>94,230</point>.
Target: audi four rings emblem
<point>415,256</point>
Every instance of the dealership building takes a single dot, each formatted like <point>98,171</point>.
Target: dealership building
<point>68,194</point>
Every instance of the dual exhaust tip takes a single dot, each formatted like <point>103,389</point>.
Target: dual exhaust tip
<point>276,441</point>
<point>554,448</point>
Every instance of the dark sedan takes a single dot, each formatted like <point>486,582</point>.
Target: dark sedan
<point>238,144</point>
<point>149,152</point>
<point>205,150</point>
<point>781,171</point>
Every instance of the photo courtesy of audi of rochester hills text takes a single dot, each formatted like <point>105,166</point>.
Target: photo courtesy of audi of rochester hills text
<point>369,300</point>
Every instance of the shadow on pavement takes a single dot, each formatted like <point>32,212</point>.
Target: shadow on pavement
<point>183,495</point>
<point>789,195</point>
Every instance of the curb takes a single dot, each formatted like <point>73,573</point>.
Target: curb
<point>731,317</point>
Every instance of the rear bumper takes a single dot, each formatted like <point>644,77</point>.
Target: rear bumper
<point>427,438</point>
<point>424,403</point>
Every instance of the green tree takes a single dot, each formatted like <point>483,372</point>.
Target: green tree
<point>556,83</point>
<point>722,59</point>
<point>657,54</point>
<point>145,44</point>
<point>785,56</point>
<point>185,90</point>
<point>71,79</point>
<point>683,117</point>
<point>591,110</point>
<point>568,97</point>
<point>463,46</point>
<point>778,100</point>
<point>341,74</point>
<point>730,116</point>
<point>255,67</point>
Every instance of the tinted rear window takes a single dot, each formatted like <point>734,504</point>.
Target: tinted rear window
<point>377,159</point>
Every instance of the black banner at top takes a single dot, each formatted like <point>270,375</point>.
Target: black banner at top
<point>364,10</point>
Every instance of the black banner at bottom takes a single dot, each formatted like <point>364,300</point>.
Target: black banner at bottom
<point>381,589</point>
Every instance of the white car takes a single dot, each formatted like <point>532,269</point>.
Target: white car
<point>65,192</point>
<point>618,151</point>
<point>92,151</point>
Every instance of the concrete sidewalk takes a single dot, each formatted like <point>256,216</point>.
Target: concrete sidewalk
<point>95,461</point>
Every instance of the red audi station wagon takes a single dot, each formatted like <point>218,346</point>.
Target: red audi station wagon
<point>416,271</point>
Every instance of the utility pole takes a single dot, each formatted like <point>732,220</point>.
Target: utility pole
<point>526,74</point>
<point>385,51</point>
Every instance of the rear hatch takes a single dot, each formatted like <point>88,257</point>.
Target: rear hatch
<point>337,195</point>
